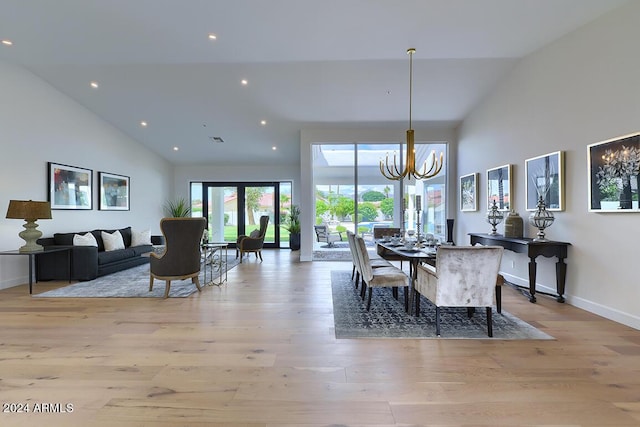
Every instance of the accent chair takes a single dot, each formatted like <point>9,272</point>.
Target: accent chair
<point>254,241</point>
<point>323,234</point>
<point>180,259</point>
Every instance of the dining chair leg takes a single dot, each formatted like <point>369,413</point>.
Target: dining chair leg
<point>489,322</point>
<point>363,290</point>
<point>406,299</point>
<point>437,321</point>
<point>416,297</point>
<point>369,299</point>
<point>353,273</point>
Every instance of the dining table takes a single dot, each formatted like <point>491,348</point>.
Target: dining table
<point>414,256</point>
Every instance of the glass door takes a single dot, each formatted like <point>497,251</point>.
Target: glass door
<point>234,209</point>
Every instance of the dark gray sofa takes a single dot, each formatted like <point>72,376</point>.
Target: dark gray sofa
<point>89,262</point>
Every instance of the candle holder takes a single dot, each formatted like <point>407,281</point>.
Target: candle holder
<point>494,217</point>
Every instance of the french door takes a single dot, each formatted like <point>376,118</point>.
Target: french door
<point>234,209</point>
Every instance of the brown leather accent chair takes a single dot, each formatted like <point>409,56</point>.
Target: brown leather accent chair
<point>181,257</point>
<point>254,241</point>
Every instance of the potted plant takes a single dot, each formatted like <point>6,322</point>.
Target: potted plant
<point>292,225</point>
<point>177,208</point>
<point>618,167</point>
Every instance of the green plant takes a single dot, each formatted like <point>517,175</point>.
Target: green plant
<point>177,208</point>
<point>292,220</point>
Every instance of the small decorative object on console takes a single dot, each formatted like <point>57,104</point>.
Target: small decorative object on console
<point>513,225</point>
<point>494,217</point>
<point>541,219</point>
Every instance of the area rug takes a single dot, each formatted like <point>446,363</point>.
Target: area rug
<point>132,283</point>
<point>388,319</point>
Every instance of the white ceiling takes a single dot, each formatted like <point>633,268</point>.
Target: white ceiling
<point>309,63</point>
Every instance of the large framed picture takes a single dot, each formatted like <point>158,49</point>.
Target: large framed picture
<point>499,187</point>
<point>545,177</point>
<point>114,192</point>
<point>69,187</point>
<point>614,174</point>
<point>468,192</point>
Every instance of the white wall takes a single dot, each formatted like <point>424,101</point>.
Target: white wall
<point>38,124</point>
<point>371,135</point>
<point>581,89</point>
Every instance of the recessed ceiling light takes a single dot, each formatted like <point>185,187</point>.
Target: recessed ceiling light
<point>263,122</point>
<point>143,124</point>
<point>274,148</point>
<point>244,82</point>
<point>212,36</point>
<point>175,148</point>
<point>94,85</point>
<point>7,42</point>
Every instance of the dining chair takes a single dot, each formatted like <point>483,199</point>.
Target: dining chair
<point>374,262</point>
<point>390,277</point>
<point>379,233</point>
<point>463,276</point>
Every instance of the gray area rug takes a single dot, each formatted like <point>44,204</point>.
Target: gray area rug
<point>387,318</point>
<point>132,283</point>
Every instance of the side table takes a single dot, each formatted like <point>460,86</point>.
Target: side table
<point>32,256</point>
<point>215,260</point>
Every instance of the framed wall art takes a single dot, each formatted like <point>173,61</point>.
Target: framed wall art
<point>469,192</point>
<point>114,192</point>
<point>499,187</point>
<point>545,177</point>
<point>614,174</point>
<point>69,187</point>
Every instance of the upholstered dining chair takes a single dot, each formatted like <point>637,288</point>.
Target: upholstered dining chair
<point>254,241</point>
<point>391,277</point>
<point>375,262</point>
<point>463,276</point>
<point>379,233</point>
<point>324,235</point>
<point>180,259</point>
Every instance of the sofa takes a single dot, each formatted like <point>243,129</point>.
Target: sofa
<point>90,262</point>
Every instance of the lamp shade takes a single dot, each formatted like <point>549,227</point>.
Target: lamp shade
<point>28,209</point>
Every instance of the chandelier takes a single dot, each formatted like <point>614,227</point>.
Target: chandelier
<point>391,170</point>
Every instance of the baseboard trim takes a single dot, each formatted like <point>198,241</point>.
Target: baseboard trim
<point>621,317</point>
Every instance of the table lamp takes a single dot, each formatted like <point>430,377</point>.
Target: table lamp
<point>30,211</point>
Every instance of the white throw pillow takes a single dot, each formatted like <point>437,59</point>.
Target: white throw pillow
<point>139,238</point>
<point>112,241</point>
<point>87,239</point>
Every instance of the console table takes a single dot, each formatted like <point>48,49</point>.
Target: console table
<point>532,249</point>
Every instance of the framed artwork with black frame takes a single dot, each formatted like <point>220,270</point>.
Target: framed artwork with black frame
<point>469,192</point>
<point>69,187</point>
<point>614,174</point>
<point>545,177</point>
<point>499,187</point>
<point>114,192</point>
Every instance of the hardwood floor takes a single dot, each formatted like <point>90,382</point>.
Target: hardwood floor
<point>261,351</point>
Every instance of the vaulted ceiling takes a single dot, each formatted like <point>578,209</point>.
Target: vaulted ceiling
<point>307,64</point>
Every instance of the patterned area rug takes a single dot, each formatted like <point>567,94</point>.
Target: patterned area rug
<point>133,283</point>
<point>387,318</point>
